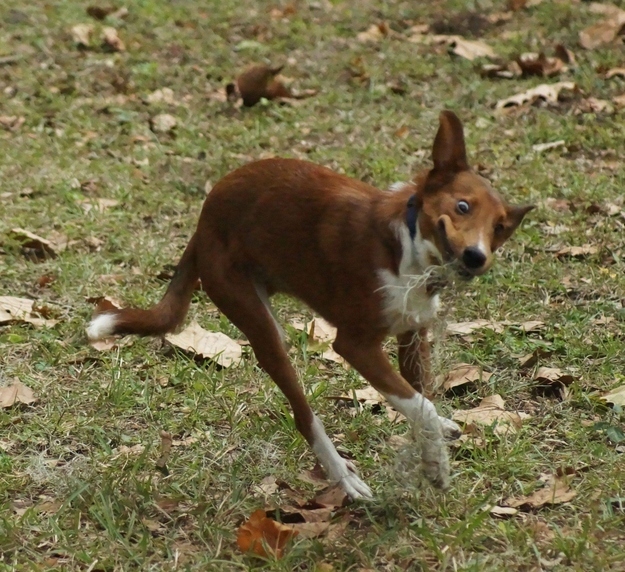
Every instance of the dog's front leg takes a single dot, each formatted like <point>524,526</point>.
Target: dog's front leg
<point>372,363</point>
<point>415,364</point>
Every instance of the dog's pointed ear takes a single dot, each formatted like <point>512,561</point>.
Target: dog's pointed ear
<point>516,214</point>
<point>449,152</point>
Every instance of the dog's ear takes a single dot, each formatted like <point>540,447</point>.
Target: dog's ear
<point>516,214</point>
<point>449,153</point>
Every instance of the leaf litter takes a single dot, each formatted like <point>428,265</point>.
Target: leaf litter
<point>216,346</point>
<point>492,412</point>
<point>16,393</point>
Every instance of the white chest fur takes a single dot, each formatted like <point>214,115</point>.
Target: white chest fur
<point>407,305</point>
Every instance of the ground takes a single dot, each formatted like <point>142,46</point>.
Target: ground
<point>79,486</point>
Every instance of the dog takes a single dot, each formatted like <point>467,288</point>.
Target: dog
<point>362,258</point>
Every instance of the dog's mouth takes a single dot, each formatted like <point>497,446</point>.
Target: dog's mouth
<point>462,271</point>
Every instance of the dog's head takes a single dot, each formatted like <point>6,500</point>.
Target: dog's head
<point>459,212</point>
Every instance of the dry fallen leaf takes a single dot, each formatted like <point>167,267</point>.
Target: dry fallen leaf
<point>163,123</point>
<point>593,105</point>
<point>163,95</point>
<point>604,31</point>
<point>577,251</point>
<point>17,392</point>
<point>11,122</point>
<point>468,49</point>
<point>491,411</point>
<point>39,246</point>
<point>462,374</point>
<point>257,82</point>
<point>166,443</point>
<point>14,309</point>
<point>502,511</point>
<point>99,204</point>
<point>545,92</point>
<point>532,64</point>
<point>374,33</point>
<point>466,328</point>
<point>615,72</point>
<point>264,536</point>
<point>81,34</point>
<point>212,345</point>
<point>555,491</point>
<point>553,380</point>
<point>111,39</point>
<point>321,334</point>
<point>100,12</point>
<point>541,147</point>
<point>616,396</point>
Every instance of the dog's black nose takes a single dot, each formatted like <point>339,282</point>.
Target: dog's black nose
<point>473,257</point>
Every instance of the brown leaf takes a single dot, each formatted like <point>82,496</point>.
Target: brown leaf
<point>553,381</point>
<point>530,360</point>
<point>267,486</point>
<point>39,246</point>
<point>166,443</point>
<point>163,123</point>
<point>466,328</point>
<point>374,33</point>
<point>257,82</point>
<point>17,392</point>
<point>540,65</point>
<point>264,536</point>
<point>604,31</point>
<point>541,147</point>
<point>468,49</point>
<point>619,100</point>
<point>505,71</point>
<point>163,95</point>
<point>550,375</point>
<point>333,497</point>
<point>99,204</point>
<point>11,122</point>
<point>315,476</point>
<point>462,374</point>
<point>212,345</point>
<point>556,491</point>
<point>490,411</point>
<point>100,12</point>
<point>544,92</point>
<point>615,72</point>
<point>471,49</point>
<point>502,511</point>
<point>615,396</point>
<point>111,39</point>
<point>14,309</point>
<point>81,34</point>
<point>593,105</point>
<point>577,251</point>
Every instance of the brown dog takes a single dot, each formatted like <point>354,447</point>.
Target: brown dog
<point>358,256</point>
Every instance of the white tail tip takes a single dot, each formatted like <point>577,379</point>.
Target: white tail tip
<point>102,326</point>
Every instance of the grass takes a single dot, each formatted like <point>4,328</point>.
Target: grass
<point>78,484</point>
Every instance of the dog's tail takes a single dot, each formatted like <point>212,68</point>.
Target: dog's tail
<point>162,318</point>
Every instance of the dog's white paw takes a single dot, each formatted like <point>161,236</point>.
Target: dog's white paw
<point>451,430</point>
<point>347,476</point>
<point>436,466</point>
<point>355,487</point>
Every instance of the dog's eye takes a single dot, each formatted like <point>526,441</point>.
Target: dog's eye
<point>499,228</point>
<point>462,207</point>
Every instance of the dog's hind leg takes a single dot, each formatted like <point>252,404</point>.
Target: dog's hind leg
<point>245,304</point>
